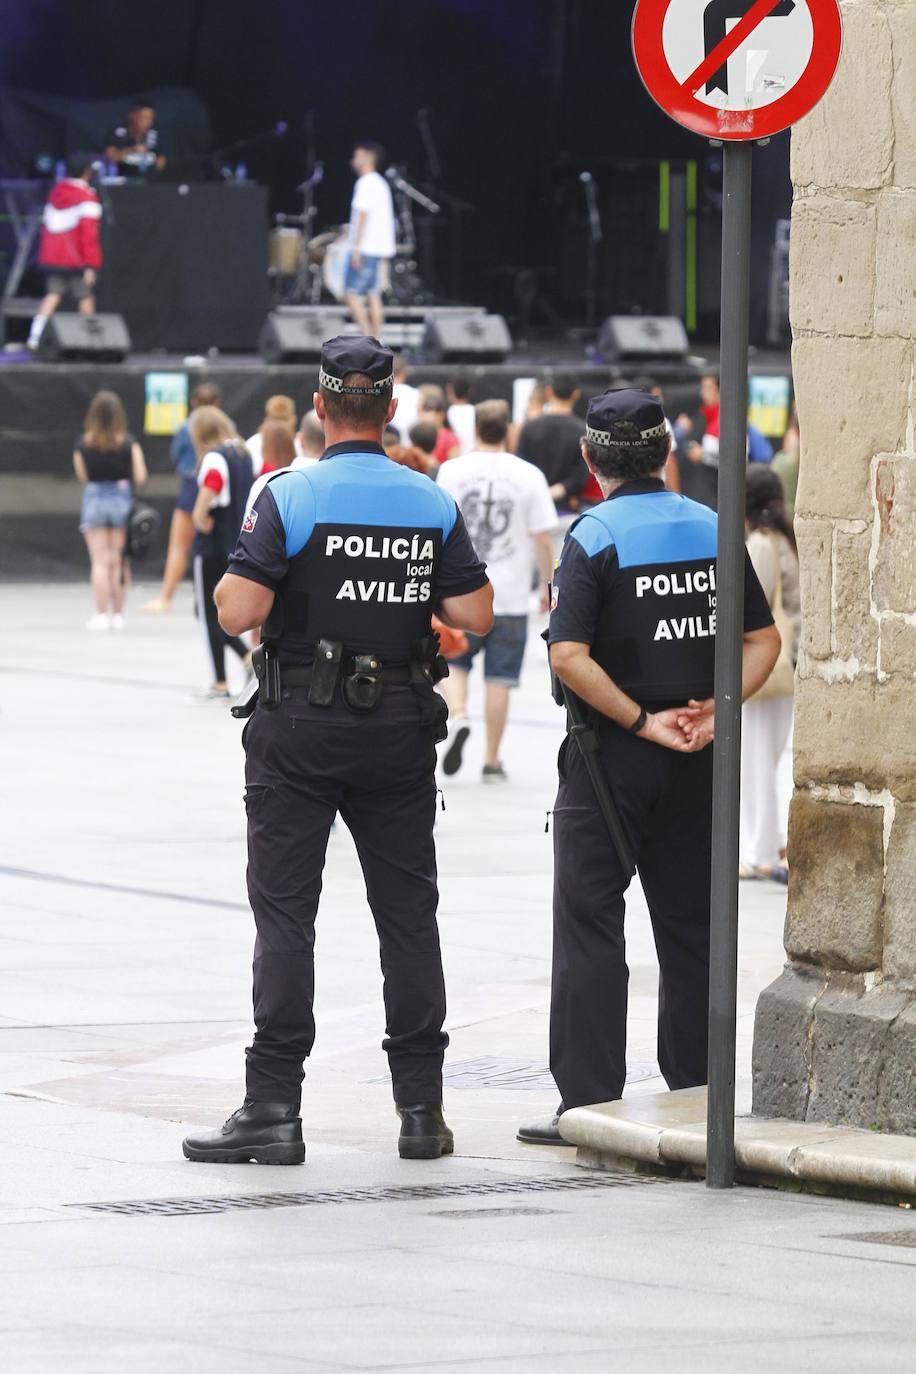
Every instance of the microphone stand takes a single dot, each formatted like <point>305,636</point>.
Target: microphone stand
<point>407,193</point>
<point>241,145</point>
<point>405,188</point>
<point>434,166</point>
<point>595,236</point>
<point>308,281</point>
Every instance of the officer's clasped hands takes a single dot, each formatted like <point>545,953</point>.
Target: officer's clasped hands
<point>696,720</point>
<point>683,728</point>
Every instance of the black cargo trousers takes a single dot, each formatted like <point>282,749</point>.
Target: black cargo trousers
<point>665,803</point>
<point>304,765</point>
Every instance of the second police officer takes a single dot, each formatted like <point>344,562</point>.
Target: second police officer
<point>343,565</point>
<point>632,636</point>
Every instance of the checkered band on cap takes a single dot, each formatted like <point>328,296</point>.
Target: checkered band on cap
<point>606,440</point>
<point>336,384</point>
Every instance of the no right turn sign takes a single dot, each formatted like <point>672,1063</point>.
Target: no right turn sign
<point>737,69</point>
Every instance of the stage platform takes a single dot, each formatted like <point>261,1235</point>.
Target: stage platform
<point>42,406</point>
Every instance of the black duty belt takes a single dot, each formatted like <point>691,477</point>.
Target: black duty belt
<point>395,674</point>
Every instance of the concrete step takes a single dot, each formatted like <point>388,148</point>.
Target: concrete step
<point>668,1130</point>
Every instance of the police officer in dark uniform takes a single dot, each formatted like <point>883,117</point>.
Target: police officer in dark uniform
<point>343,564</point>
<point>632,636</point>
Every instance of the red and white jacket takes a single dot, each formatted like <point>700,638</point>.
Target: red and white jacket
<point>70,227</point>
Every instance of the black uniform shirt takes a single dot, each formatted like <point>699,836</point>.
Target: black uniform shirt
<point>637,582</point>
<point>359,550</point>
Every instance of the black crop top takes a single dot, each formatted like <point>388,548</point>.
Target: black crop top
<point>109,464</point>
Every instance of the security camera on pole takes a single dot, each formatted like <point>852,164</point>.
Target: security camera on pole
<point>736,71</point>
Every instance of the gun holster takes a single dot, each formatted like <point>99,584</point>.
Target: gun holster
<point>426,662</point>
<point>266,664</point>
<point>325,672</point>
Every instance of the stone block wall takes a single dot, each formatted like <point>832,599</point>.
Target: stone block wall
<point>835,1036</point>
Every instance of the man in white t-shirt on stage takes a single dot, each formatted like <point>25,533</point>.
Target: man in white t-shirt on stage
<point>372,239</point>
<point>510,515</point>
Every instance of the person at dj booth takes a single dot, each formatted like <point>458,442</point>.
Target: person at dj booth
<point>70,250</point>
<point>372,239</point>
<point>632,639</point>
<point>134,145</point>
<point>342,567</point>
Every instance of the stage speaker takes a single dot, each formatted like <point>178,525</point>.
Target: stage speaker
<point>641,338</point>
<point>453,337</point>
<point>85,338</point>
<point>294,335</point>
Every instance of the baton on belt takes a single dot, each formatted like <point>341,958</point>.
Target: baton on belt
<point>586,737</point>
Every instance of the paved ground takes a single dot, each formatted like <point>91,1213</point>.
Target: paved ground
<point>125,946</point>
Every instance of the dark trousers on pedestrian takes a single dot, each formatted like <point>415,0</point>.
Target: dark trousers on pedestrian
<point>665,800</point>
<point>207,573</point>
<point>304,765</point>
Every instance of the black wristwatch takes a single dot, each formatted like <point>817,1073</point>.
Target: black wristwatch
<point>639,722</point>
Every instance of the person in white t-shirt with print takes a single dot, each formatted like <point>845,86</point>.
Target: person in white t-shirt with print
<point>372,239</point>
<point>510,515</point>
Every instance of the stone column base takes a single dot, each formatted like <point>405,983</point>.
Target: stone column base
<point>826,1049</point>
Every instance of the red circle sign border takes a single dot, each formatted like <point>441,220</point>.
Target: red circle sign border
<point>736,125</point>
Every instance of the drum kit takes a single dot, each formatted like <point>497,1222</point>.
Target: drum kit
<point>307,268</point>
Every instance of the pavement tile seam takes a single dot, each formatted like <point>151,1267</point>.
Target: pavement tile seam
<point>896,1260</point>
<point>601,1281</point>
<point>160,1340</point>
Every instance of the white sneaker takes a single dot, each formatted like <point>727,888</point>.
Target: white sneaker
<point>205,696</point>
<point>458,732</point>
<point>117,621</point>
<point>98,623</point>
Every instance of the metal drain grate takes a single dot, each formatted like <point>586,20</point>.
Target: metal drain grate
<point>423,1192</point>
<point>498,1071</point>
<point>906,1238</point>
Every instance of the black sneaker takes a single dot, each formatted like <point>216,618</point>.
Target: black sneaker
<point>259,1133</point>
<point>457,739</point>
<point>494,772</point>
<point>424,1134</point>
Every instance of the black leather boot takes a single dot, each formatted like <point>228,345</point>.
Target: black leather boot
<point>262,1132</point>
<point>424,1134</point>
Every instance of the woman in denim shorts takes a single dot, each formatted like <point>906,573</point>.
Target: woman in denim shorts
<point>109,462</point>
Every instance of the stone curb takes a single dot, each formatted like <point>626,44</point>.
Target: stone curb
<point>670,1129</point>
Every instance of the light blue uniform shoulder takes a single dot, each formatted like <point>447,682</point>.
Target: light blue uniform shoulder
<point>297,506</point>
<point>652,527</point>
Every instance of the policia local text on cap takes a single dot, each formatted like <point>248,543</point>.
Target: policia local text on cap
<point>342,565</point>
<point>632,635</point>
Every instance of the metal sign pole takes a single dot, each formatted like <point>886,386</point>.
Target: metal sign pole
<point>723,954</point>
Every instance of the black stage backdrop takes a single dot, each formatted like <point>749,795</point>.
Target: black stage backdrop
<point>522,95</point>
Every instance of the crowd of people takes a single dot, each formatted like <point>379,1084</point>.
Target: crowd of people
<point>520,485</point>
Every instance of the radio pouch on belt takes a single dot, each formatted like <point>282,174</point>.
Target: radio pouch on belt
<point>266,665</point>
<point>362,689</point>
<point>325,672</point>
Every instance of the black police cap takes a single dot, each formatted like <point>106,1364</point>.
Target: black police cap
<point>611,409</point>
<point>356,353</point>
